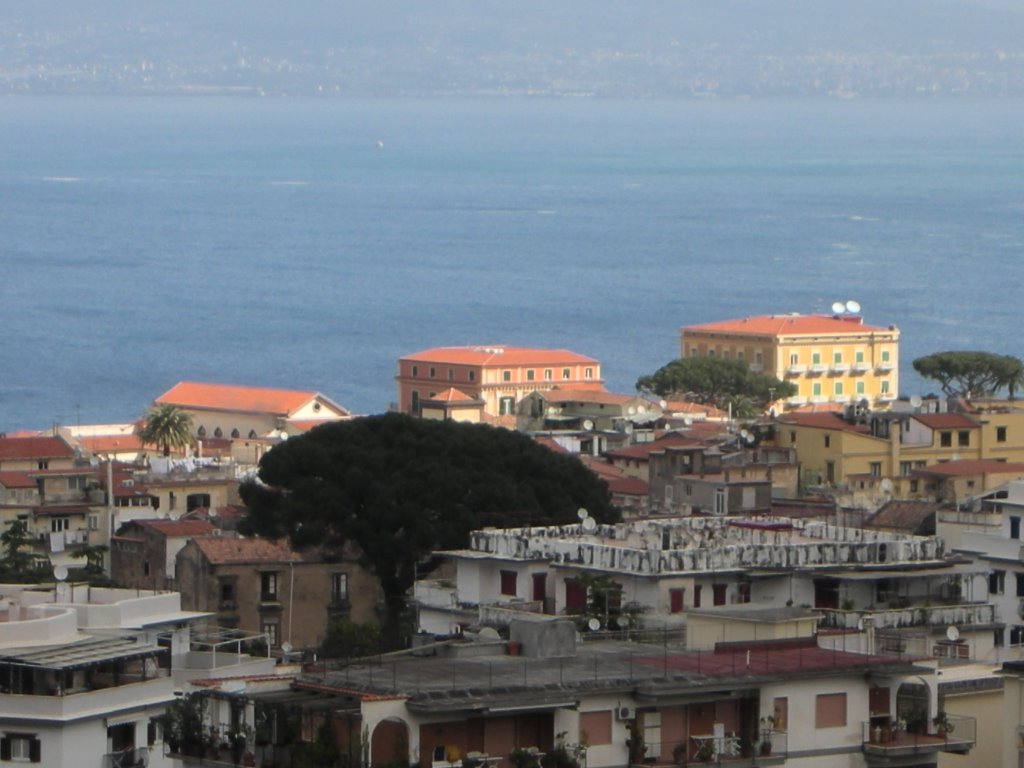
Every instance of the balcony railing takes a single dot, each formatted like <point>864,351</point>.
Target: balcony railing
<point>964,614</point>
<point>861,367</point>
<point>137,757</point>
<point>840,367</point>
<point>795,369</point>
<point>893,740</point>
<point>767,748</point>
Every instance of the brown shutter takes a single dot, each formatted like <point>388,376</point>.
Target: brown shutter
<point>35,750</point>
<point>5,748</point>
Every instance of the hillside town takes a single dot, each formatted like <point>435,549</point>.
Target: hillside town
<point>820,570</point>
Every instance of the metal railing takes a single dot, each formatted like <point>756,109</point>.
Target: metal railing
<point>951,733</point>
<point>136,757</point>
<point>769,747</point>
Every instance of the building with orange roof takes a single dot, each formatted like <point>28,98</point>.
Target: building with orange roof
<point>453,405</point>
<point>265,586</point>
<point>830,358</point>
<point>143,552</point>
<point>500,377</point>
<point>224,411</point>
<point>31,453</point>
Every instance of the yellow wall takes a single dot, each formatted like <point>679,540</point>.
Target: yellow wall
<point>987,708</point>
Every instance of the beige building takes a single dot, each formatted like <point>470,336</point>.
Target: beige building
<point>830,358</point>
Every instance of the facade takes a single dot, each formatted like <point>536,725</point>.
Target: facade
<point>266,587</point>
<point>500,377</point>
<point>452,405</point>
<point>223,411</point>
<point>143,553</point>
<point>830,358</point>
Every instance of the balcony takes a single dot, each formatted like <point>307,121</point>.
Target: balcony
<point>884,365</point>
<point>796,400</point>
<point>437,593</point>
<point>963,614</point>
<point>818,368</point>
<point>840,367</point>
<point>137,757</point>
<point>886,397</point>
<point>861,367</point>
<point>795,369</point>
<point>894,744</point>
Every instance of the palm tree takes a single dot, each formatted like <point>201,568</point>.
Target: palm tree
<point>168,427</point>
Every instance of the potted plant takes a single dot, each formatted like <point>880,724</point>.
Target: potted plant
<point>767,727</point>
<point>943,726</point>
<point>706,753</point>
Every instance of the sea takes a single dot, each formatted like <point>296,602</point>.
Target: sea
<point>309,244</point>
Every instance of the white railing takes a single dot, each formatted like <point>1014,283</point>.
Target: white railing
<point>965,614</point>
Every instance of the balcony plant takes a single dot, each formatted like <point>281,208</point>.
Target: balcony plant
<point>943,726</point>
<point>767,727</point>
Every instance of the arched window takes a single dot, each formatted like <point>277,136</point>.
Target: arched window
<point>235,433</point>
<point>252,434</point>
<point>218,432</point>
<point>201,431</point>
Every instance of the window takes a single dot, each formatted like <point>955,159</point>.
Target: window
<point>76,483</point>
<point>506,406</point>
<point>696,595</point>
<point>1000,434</point>
<point>268,585</point>
<point>414,402</point>
<point>711,353</point>
<point>718,592</point>
<point>837,357</point>
<point>860,387</point>
<point>781,712</point>
<point>743,592</point>
<point>94,522</point>
<point>218,432</point>
<point>42,464</point>
<point>838,388</point>
<point>588,373</point>
<point>858,356</point>
<point>963,437</point>
<point>508,583</point>
<point>1020,584</point>
<point>757,358</point>
<point>1014,527</point>
<point>451,375</point>
<point>875,468</point>
<point>885,355</point>
<point>235,433</point>
<point>339,587</point>
<point>23,748</point>
<point>506,375</point>
<point>432,372</point>
<point>415,370</point>
<point>597,726</point>
<point>997,582</point>
<point>252,434</point>
<point>675,600</point>
<point>269,628</point>
<point>565,374</point>
<point>913,486</point>
<point>815,358</point>
<point>739,355</point>
<point>830,710</point>
<point>58,524</point>
<point>792,437</point>
<point>794,358</point>
<point>885,386</point>
<point>547,374</point>
<point>906,467</point>
<point>721,505</point>
<point>946,439</point>
<point>828,441</point>
<point>471,375</point>
<point>227,592</point>
<point>529,374</point>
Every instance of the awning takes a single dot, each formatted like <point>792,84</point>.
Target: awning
<point>128,717</point>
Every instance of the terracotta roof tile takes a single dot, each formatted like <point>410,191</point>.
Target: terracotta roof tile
<point>550,443</point>
<point>971,467</point>
<point>945,420</point>
<point>223,397</point>
<point>176,528</point>
<point>499,357</point>
<point>904,515</point>
<point>789,325</point>
<point>111,443</point>
<point>230,549</point>
<point>452,395</point>
<point>827,420</point>
<point>14,448</point>
<point>644,450</point>
<point>587,395</point>
<point>16,480</point>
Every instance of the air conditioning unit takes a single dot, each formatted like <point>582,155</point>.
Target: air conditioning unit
<point>625,713</point>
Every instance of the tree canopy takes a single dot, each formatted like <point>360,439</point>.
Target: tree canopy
<point>972,374</point>
<point>400,488</point>
<point>714,381</point>
<point>166,426</point>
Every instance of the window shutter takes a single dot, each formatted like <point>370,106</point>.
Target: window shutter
<point>5,748</point>
<point>35,750</point>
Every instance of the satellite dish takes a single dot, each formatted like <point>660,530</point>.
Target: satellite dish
<point>593,625</point>
<point>663,403</point>
<point>744,434</point>
<point>886,484</point>
<point>853,306</point>
<point>286,647</point>
<point>838,307</point>
<point>588,425</point>
<point>590,525</point>
<point>582,513</point>
<point>631,410</point>
<point>916,401</point>
<point>489,633</point>
<point>60,572</point>
<point>952,634</point>
<point>552,410</point>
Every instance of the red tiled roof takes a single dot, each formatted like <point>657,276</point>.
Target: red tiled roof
<point>627,486</point>
<point>686,407</point>
<point>228,549</point>
<point>111,443</point>
<point>499,356</point>
<point>223,397</point>
<point>945,420</point>
<point>175,528</point>
<point>905,515</point>
<point>825,420</point>
<point>550,443</point>
<point>585,395</point>
<point>12,448</point>
<point>451,396</point>
<point>16,480</point>
<point>643,450</point>
<point>789,325</point>
<point>819,408</point>
<point>971,467</point>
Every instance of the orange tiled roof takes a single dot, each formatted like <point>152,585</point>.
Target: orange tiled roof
<point>12,448</point>
<point>686,407</point>
<point>789,325</point>
<point>224,397</point>
<point>452,395</point>
<point>16,480</point>
<point>644,450</point>
<point>826,420</point>
<point>228,550</point>
<point>586,395</point>
<point>945,420</point>
<point>111,443</point>
<point>550,443</point>
<point>174,528</point>
<point>499,356</point>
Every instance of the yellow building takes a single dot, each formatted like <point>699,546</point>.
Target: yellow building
<point>830,358</point>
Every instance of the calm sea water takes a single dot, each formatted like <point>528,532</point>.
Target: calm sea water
<point>309,244</point>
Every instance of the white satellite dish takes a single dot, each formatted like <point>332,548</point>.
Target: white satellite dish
<point>886,485</point>
<point>853,306</point>
<point>663,403</point>
<point>631,410</point>
<point>916,401</point>
<point>593,625</point>
<point>582,513</point>
<point>286,647</point>
<point>489,633</point>
<point>838,307</point>
<point>952,634</point>
<point>60,572</point>
<point>588,425</point>
<point>590,525</point>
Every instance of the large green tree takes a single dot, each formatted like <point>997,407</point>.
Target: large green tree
<point>400,488</point>
<point>972,374</point>
<point>166,426</point>
<point>714,381</point>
